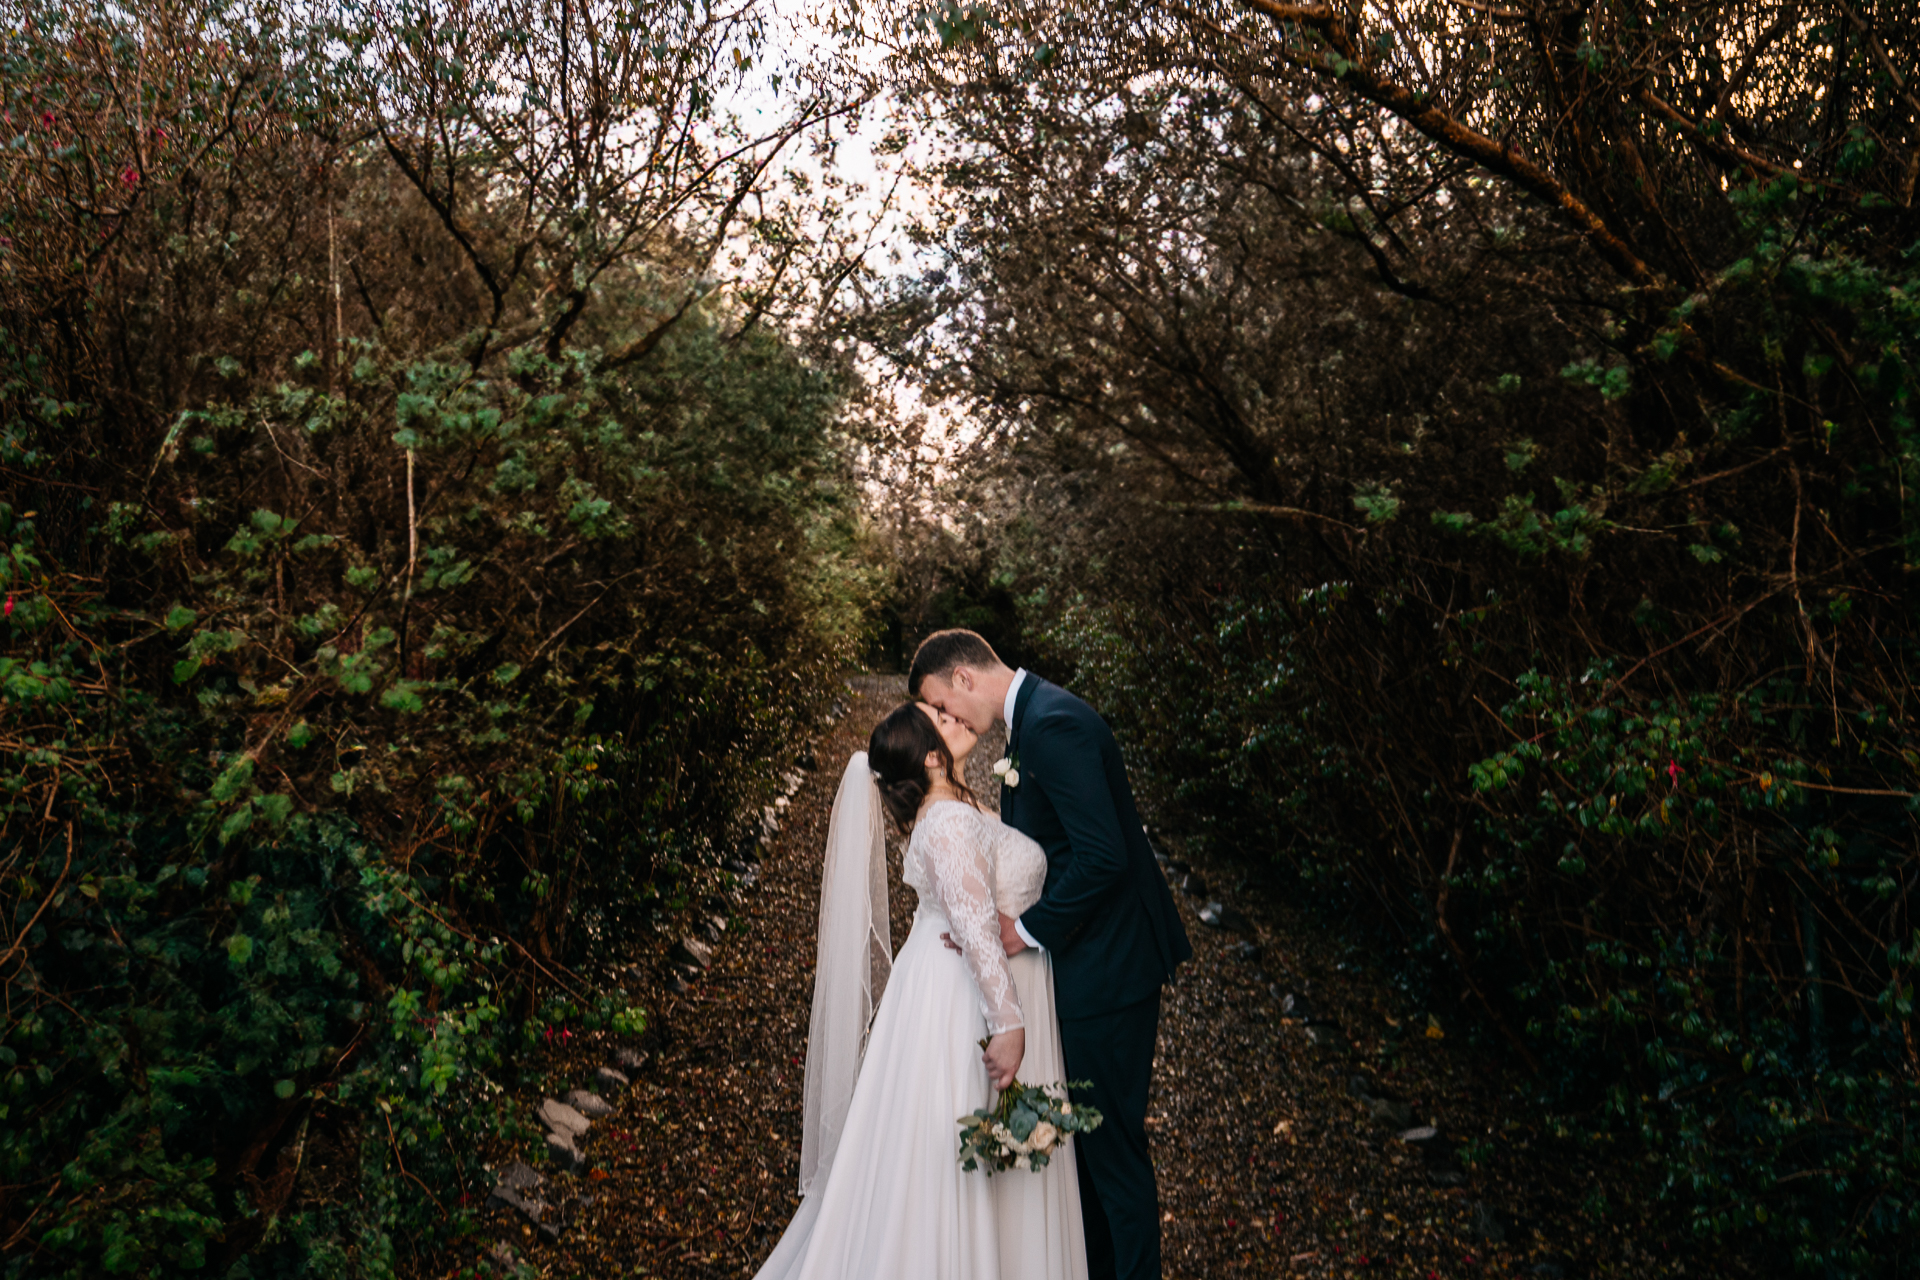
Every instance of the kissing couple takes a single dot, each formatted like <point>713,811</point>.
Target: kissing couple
<point>1047,933</point>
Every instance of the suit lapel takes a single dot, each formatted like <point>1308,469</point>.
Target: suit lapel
<point>1021,701</point>
<point>1009,796</point>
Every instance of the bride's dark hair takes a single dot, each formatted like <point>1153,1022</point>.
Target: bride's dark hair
<point>897,751</point>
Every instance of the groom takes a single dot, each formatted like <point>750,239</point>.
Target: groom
<point>1106,916</point>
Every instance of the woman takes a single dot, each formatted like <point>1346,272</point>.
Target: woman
<point>883,1194</point>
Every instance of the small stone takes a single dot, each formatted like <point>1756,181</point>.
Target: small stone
<point>534,1210</point>
<point>1246,951</point>
<point>1323,1034</point>
<point>521,1177</point>
<point>1390,1114</point>
<point>560,1118</point>
<point>692,952</point>
<point>678,984</point>
<point>503,1257</point>
<point>564,1151</point>
<point>1425,1133</point>
<point>1218,915</point>
<point>609,1079</point>
<point>629,1059</point>
<point>590,1105</point>
<point>1443,1166</point>
<point>715,927</point>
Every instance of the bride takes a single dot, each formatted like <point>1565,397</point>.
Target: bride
<point>883,1194</point>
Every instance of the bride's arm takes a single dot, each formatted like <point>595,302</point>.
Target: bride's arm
<point>957,861</point>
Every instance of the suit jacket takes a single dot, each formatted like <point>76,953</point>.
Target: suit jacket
<point>1106,915</point>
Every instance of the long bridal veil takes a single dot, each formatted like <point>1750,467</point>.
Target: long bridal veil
<point>852,964</point>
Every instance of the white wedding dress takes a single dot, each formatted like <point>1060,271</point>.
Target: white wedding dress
<point>892,1203</point>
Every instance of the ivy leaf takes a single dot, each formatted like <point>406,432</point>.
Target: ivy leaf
<point>239,820</point>
<point>276,809</point>
<point>403,697</point>
<point>234,780</point>
<point>239,949</point>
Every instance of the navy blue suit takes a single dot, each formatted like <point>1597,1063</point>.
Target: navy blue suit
<point>1108,920</point>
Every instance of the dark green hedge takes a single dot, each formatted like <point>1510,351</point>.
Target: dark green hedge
<point>363,700</point>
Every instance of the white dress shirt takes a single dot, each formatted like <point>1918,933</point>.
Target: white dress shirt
<point>1013,692</point>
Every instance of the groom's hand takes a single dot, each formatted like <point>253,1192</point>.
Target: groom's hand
<point>1010,937</point>
<point>951,944</point>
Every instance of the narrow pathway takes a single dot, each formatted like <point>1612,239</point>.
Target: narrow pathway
<point>1308,1120</point>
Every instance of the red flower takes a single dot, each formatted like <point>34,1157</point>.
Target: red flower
<point>129,176</point>
<point>47,118</point>
<point>1673,773</point>
<point>9,612</point>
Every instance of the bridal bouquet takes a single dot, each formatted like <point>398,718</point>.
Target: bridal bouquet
<point>1023,1129</point>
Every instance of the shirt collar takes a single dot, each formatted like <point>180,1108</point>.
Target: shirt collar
<point>1013,693</point>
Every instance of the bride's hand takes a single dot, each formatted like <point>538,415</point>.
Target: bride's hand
<point>1003,1056</point>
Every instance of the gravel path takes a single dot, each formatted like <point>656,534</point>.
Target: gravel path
<point>1288,1070</point>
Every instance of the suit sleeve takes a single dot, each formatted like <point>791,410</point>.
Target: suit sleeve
<point>1074,779</point>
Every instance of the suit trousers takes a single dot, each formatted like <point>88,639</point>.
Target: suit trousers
<point>1119,1202</point>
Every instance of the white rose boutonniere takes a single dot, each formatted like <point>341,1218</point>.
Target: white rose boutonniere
<point>1007,768</point>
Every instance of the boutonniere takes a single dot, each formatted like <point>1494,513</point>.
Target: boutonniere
<point>1008,769</point>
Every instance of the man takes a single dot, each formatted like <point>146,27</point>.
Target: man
<point>1106,916</point>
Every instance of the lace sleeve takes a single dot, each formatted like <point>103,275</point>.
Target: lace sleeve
<point>958,863</point>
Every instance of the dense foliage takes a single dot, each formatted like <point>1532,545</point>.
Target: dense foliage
<point>1469,450</point>
<point>416,563</point>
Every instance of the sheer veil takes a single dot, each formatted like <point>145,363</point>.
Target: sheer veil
<point>854,959</point>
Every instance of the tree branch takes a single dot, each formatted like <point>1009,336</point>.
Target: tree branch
<point>1417,110</point>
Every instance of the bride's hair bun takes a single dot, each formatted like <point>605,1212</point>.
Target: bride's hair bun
<point>897,753</point>
<point>903,798</point>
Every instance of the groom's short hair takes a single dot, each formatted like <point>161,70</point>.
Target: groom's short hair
<point>942,651</point>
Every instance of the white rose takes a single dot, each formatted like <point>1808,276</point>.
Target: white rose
<point>1001,766</point>
<point>1044,1136</point>
<point>1066,1108</point>
<point>1012,778</point>
<point>1023,1164</point>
